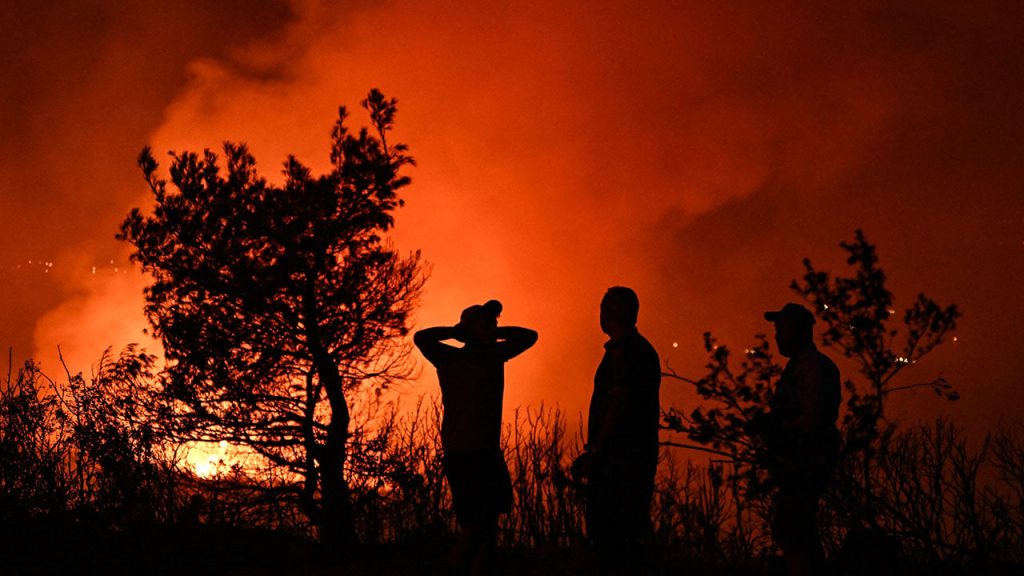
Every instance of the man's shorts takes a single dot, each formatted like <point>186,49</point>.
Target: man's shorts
<point>480,484</point>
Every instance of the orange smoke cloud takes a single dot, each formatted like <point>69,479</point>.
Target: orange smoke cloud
<point>693,151</point>
<point>550,139</point>
<point>108,313</point>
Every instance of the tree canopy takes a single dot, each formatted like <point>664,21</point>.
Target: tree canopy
<point>274,302</point>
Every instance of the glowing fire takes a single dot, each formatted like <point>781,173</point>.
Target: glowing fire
<point>209,458</point>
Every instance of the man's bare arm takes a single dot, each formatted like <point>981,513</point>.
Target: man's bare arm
<point>430,341</point>
<point>514,340</point>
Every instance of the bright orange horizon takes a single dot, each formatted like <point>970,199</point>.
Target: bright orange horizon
<point>695,153</point>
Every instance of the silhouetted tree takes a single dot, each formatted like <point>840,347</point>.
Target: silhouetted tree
<point>739,396</point>
<point>275,303</point>
<point>856,313</point>
<point>858,316</point>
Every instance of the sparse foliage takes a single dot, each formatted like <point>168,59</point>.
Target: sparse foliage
<point>736,398</point>
<point>857,313</point>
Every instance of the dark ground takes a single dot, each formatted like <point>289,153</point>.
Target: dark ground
<point>41,549</point>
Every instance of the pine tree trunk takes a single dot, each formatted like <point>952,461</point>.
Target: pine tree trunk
<point>336,528</point>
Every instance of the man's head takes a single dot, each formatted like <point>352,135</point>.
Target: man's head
<point>794,328</point>
<point>619,309</point>
<point>479,322</point>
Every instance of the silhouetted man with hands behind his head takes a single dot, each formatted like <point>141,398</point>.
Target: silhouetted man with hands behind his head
<point>621,456</point>
<point>801,436</point>
<point>472,380</point>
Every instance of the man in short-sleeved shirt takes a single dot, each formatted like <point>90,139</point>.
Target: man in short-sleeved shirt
<point>472,380</point>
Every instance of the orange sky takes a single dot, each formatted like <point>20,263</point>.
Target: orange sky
<point>692,151</point>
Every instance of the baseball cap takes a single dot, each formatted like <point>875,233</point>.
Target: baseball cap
<point>492,309</point>
<point>791,314</point>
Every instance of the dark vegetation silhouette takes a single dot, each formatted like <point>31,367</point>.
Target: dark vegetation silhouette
<point>277,304</point>
<point>953,507</point>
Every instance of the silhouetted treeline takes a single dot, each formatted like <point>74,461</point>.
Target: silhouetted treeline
<point>78,452</point>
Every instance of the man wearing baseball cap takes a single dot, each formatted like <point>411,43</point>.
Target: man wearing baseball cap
<point>801,436</point>
<point>472,380</point>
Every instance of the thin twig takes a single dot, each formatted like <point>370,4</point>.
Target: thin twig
<point>695,447</point>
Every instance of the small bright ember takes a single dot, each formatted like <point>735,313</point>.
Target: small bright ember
<point>205,469</point>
